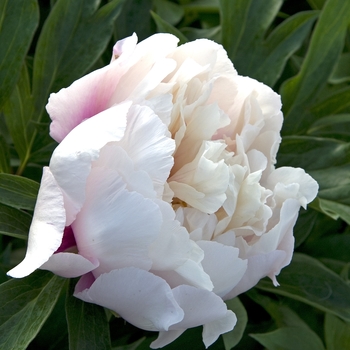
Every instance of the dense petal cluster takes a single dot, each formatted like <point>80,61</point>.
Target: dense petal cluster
<point>162,193</point>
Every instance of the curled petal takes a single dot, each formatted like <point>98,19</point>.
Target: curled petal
<point>46,231</point>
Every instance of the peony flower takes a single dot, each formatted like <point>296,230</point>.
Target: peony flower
<point>162,193</point>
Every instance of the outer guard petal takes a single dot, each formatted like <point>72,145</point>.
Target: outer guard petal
<point>141,298</point>
<point>46,231</point>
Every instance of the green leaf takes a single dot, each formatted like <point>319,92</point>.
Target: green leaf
<point>309,281</point>
<point>337,333</point>
<point>280,45</point>
<point>335,103</point>
<point>18,22</point>
<point>333,126</point>
<point>290,326</point>
<point>289,338</point>
<point>18,112</point>
<point>25,304</point>
<point>341,72</point>
<point>244,24</point>
<point>316,4</point>
<point>244,28</point>
<point>132,346</point>
<point>325,47</point>
<point>18,192</point>
<point>4,156</point>
<point>169,11</point>
<point>87,324</point>
<point>14,222</point>
<point>232,338</point>
<point>135,18</point>
<point>305,225</point>
<point>335,246</point>
<point>164,27</point>
<point>73,37</point>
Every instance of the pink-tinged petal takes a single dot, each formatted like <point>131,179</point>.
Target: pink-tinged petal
<point>46,231</point>
<point>69,265</point>
<point>223,265</point>
<point>141,298</point>
<point>85,282</point>
<point>212,330</point>
<point>115,225</point>
<point>68,240</point>
<point>259,266</point>
<point>85,98</point>
<point>71,161</point>
<point>148,143</point>
<point>125,46</point>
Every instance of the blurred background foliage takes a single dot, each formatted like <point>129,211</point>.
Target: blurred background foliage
<point>299,48</point>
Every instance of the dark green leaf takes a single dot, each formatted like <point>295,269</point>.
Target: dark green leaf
<point>244,24</point>
<point>325,47</point>
<point>25,304</point>
<point>232,338</point>
<point>14,222</point>
<point>213,33</point>
<point>337,333</point>
<point>18,192</point>
<point>164,27</point>
<point>132,346</point>
<point>169,11</point>
<point>305,225</point>
<point>18,112</point>
<point>18,22</point>
<point>87,324</point>
<point>289,338</point>
<point>335,103</point>
<point>334,126</point>
<point>73,37</point>
<point>316,4</point>
<point>280,45</point>
<point>309,281</point>
<point>335,246</point>
<point>135,18</point>
<point>4,156</point>
<point>341,72</point>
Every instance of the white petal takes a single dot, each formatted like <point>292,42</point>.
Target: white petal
<point>115,225</point>
<point>71,161</point>
<point>293,183</point>
<point>148,143</point>
<point>69,265</point>
<point>259,266</point>
<point>223,265</point>
<point>200,306</point>
<point>141,298</point>
<point>46,231</point>
<point>212,330</point>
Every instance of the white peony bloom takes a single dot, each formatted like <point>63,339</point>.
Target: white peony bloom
<point>163,194</point>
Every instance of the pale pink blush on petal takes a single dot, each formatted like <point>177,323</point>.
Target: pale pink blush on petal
<point>46,231</point>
